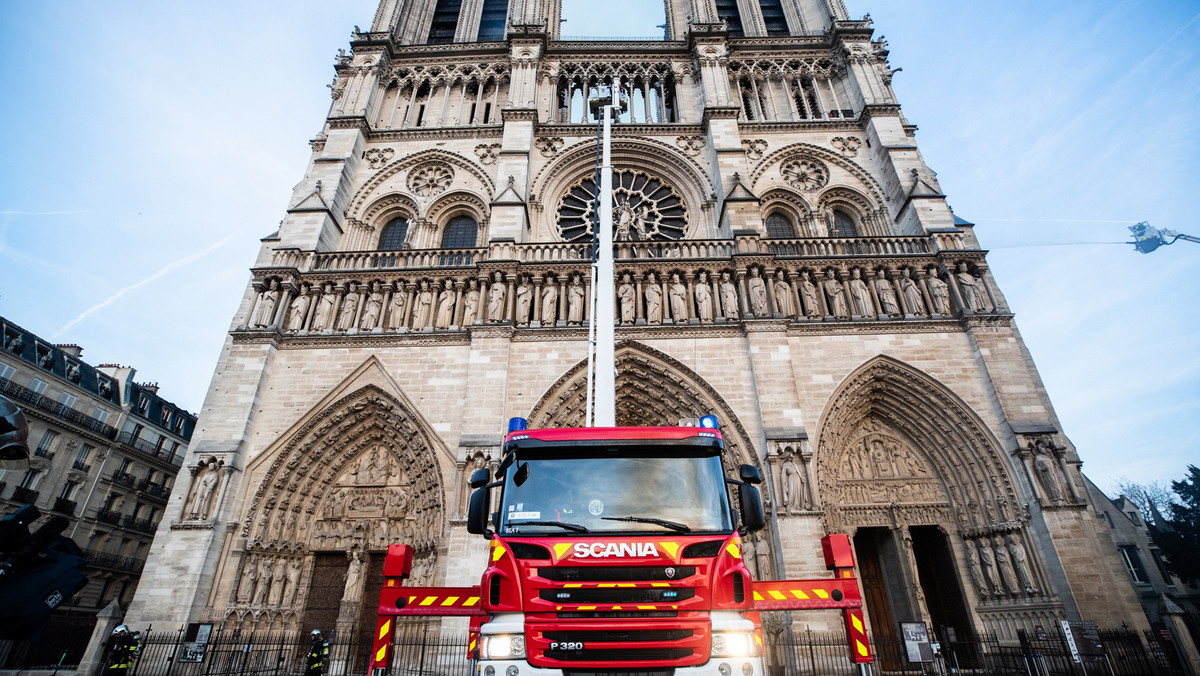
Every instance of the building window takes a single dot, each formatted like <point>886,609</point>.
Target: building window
<point>37,386</point>
<point>68,490</point>
<point>460,233</point>
<point>100,415</point>
<point>1133,516</point>
<point>779,227</point>
<point>727,11</point>
<point>1161,563</point>
<point>843,225</point>
<point>30,479</point>
<point>393,235</point>
<point>67,399</point>
<point>1133,563</point>
<point>85,452</point>
<point>492,20</point>
<point>445,21</point>
<point>47,443</point>
<point>6,372</point>
<point>772,11</point>
<point>1108,518</point>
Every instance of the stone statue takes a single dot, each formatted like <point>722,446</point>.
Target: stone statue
<point>792,485</point>
<point>808,293</point>
<point>911,294</point>
<point>524,298</point>
<point>354,579</point>
<point>887,295</point>
<point>654,313</point>
<point>783,296</point>
<point>549,313</point>
<point>1019,558</point>
<point>279,577</point>
<point>729,299</point>
<point>622,220</point>
<point>833,293</point>
<point>575,301</point>
<point>750,554</point>
<point>349,308</point>
<point>1004,566</point>
<point>423,307</point>
<point>704,300</point>
<point>939,293</point>
<point>626,295</point>
<point>372,306</point>
<point>73,372</point>
<point>471,303</point>
<point>445,306</point>
<point>299,309</point>
<point>977,571</point>
<point>678,295</point>
<point>1048,474</point>
<point>201,498</point>
<point>988,561</point>
<point>640,219</point>
<point>396,314</point>
<point>496,295</point>
<point>860,295</point>
<point>266,306</point>
<point>295,568</point>
<point>969,287</point>
<point>757,289</point>
<point>245,590</point>
<point>263,583</point>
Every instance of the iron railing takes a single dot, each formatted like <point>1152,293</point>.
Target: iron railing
<point>24,395</point>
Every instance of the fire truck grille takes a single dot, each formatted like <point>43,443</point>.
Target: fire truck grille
<point>623,636</point>
<point>622,655</point>
<point>619,595</point>
<point>618,574</point>
<point>619,614</point>
<point>619,672</point>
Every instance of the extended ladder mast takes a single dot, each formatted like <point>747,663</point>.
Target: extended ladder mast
<point>602,360</point>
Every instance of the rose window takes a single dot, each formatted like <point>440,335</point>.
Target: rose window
<point>806,173</point>
<point>430,179</point>
<point>644,209</point>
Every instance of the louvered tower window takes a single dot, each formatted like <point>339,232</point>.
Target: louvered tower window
<point>445,21</point>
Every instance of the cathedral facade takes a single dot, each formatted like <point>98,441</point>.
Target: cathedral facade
<point>785,260</point>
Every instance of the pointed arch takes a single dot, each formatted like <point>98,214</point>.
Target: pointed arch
<point>653,389</point>
<point>890,397</point>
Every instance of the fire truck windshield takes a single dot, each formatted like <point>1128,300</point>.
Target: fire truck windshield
<point>639,490</point>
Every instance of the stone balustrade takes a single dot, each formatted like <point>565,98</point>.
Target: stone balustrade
<point>693,282</point>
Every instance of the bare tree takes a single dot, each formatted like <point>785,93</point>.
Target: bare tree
<point>1144,495</point>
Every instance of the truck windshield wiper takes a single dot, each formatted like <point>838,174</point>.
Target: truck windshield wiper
<point>573,527</point>
<point>681,527</point>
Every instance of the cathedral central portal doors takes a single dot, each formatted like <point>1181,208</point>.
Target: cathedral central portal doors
<point>908,575</point>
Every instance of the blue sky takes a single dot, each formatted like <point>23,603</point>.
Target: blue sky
<point>149,146</point>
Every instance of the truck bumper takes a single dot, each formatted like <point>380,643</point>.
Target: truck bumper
<point>733,666</point>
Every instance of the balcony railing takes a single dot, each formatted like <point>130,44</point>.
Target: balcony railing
<point>146,448</point>
<point>64,506</point>
<point>114,561</point>
<point>107,516</point>
<point>81,465</point>
<point>143,525</point>
<point>43,452</point>
<point>123,478</point>
<point>156,490</point>
<point>21,494</point>
<point>24,395</point>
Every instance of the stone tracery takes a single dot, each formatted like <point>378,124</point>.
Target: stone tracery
<point>645,208</point>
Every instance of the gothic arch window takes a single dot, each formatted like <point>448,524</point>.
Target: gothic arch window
<point>727,11</point>
<point>645,208</point>
<point>394,234</point>
<point>842,224</point>
<point>780,226</point>
<point>460,233</point>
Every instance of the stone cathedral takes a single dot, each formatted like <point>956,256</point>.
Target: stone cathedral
<point>785,260</point>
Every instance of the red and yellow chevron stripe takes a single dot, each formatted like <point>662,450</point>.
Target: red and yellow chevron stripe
<point>429,601</point>
<point>806,594</point>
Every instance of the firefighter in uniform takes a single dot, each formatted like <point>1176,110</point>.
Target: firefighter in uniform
<point>317,655</point>
<point>122,648</point>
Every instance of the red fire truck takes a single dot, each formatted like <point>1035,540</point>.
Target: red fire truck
<point>617,550</point>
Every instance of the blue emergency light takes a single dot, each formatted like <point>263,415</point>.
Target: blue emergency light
<point>709,422</point>
<point>517,424</point>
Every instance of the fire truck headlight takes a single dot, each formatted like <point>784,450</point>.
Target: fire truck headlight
<point>732,644</point>
<point>503,646</point>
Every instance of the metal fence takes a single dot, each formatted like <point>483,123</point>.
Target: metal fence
<point>63,643</point>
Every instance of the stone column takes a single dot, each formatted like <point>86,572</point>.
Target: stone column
<point>94,656</point>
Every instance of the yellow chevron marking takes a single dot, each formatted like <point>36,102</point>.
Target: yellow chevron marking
<point>379,656</point>
<point>606,585</point>
<point>862,649</point>
<point>428,600</point>
<point>616,607</point>
<point>758,640</point>
<point>471,645</point>
<point>471,600</point>
<point>734,550</point>
<point>450,600</point>
<point>660,584</point>
<point>757,596</point>
<point>497,552</point>
<point>411,599</point>
<point>587,607</point>
<point>799,593</point>
<point>561,548</point>
<point>671,547</point>
<point>573,585</point>
<point>645,607</point>
<point>857,623</point>
<point>384,628</point>
<point>777,595</point>
<point>821,593</point>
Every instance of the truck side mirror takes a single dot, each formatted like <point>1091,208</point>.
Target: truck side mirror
<point>750,505</point>
<point>478,509</point>
<point>750,474</point>
<point>479,478</point>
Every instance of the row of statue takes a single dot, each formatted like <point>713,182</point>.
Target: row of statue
<point>999,567</point>
<point>270,581</point>
<point>642,299</point>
